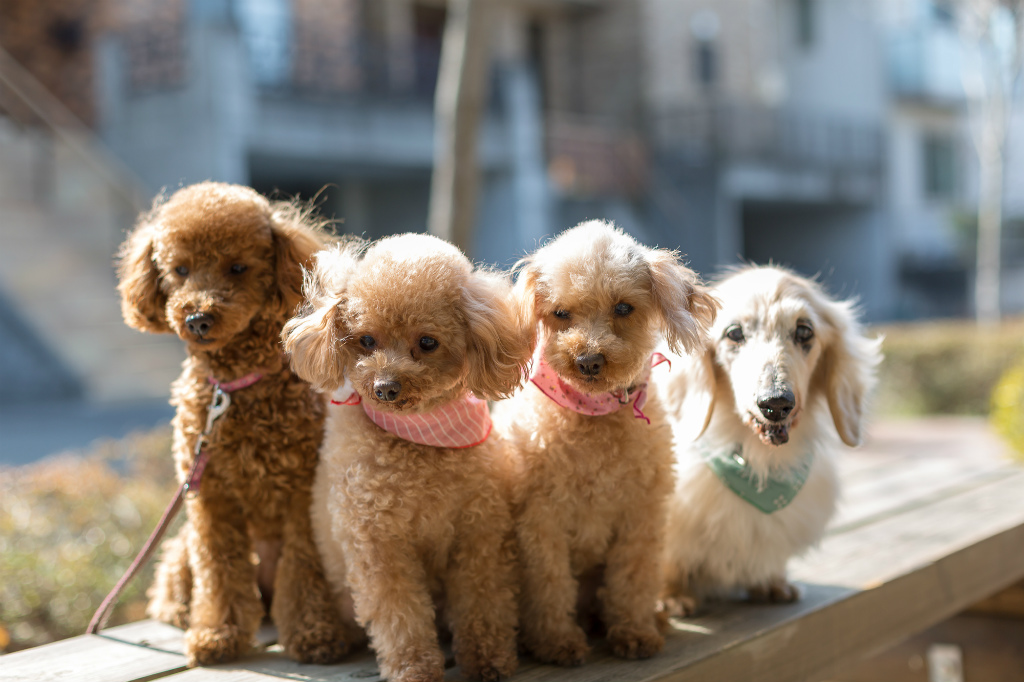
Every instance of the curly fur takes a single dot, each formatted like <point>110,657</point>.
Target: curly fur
<point>403,525</point>
<point>716,542</point>
<point>590,492</point>
<point>255,492</point>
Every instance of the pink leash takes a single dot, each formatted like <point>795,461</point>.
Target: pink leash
<point>220,404</point>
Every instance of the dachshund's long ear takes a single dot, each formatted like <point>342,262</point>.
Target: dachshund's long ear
<point>688,392</point>
<point>318,337</point>
<point>143,304</point>
<point>297,236</point>
<point>687,308</point>
<point>846,370</point>
<point>499,338</point>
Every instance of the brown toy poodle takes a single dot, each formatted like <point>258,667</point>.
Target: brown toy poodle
<point>410,501</point>
<point>595,451</point>
<point>221,267</point>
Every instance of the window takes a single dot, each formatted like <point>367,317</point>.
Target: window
<point>266,32</point>
<point>805,23</point>
<point>940,177</point>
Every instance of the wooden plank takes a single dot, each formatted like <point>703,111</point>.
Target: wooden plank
<point>929,551</point>
<point>111,656</point>
<point>900,490</point>
<point>907,463</point>
<point>274,665</point>
<point>991,650</point>
<point>1008,604</point>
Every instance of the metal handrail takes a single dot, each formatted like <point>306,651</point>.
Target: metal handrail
<point>70,130</point>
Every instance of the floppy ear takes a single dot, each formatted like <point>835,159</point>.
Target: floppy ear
<point>846,370</point>
<point>524,293</point>
<point>143,304</point>
<point>688,392</point>
<point>297,236</point>
<point>687,308</point>
<point>499,338</point>
<point>317,338</point>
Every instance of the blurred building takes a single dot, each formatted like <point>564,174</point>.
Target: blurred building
<point>829,135</point>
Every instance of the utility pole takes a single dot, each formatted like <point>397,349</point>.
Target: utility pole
<point>458,108</point>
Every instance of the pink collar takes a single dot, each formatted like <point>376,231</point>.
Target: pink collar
<point>238,384</point>
<point>461,423</point>
<point>551,385</point>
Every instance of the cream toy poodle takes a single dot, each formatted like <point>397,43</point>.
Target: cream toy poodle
<point>221,267</point>
<point>781,381</point>
<point>410,505</point>
<point>594,449</point>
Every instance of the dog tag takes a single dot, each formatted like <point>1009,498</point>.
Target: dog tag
<point>220,404</point>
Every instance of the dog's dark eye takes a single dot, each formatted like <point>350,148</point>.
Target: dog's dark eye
<point>428,344</point>
<point>804,333</point>
<point>368,342</point>
<point>735,333</point>
<point>623,309</point>
<point>238,268</point>
<point>181,270</point>
<point>562,314</point>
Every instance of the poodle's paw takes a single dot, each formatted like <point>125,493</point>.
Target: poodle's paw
<point>777,591</point>
<point>568,649</point>
<point>208,646</point>
<point>415,666</point>
<point>320,645</point>
<point>634,642</point>
<point>170,612</point>
<point>678,606</point>
<point>488,663</point>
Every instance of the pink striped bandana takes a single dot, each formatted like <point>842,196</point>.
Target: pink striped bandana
<point>461,423</point>
<point>551,385</point>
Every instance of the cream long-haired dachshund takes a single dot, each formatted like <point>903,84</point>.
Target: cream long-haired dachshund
<point>781,383</point>
<point>595,456</point>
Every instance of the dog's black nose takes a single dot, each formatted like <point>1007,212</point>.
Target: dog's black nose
<point>777,405</point>
<point>386,390</point>
<point>590,365</point>
<point>199,323</point>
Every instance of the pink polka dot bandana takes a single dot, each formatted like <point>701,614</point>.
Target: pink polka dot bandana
<point>551,385</point>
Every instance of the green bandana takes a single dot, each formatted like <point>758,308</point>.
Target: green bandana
<point>771,495</point>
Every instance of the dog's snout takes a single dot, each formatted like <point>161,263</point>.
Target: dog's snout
<point>386,390</point>
<point>590,365</point>
<point>199,323</point>
<point>777,405</point>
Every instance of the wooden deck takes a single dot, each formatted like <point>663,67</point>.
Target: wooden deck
<point>932,522</point>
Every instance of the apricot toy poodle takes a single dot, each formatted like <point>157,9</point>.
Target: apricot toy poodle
<point>410,501</point>
<point>594,449</point>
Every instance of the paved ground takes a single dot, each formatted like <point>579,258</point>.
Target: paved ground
<point>32,431</point>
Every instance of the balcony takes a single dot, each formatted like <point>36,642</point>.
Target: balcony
<point>781,137</point>
<point>924,66</point>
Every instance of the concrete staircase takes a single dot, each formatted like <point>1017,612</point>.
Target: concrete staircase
<point>60,224</point>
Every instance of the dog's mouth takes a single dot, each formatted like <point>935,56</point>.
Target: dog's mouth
<point>772,433</point>
<point>399,405</point>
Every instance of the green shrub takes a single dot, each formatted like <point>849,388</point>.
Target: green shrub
<point>1008,407</point>
<point>69,527</point>
<point>947,367</point>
